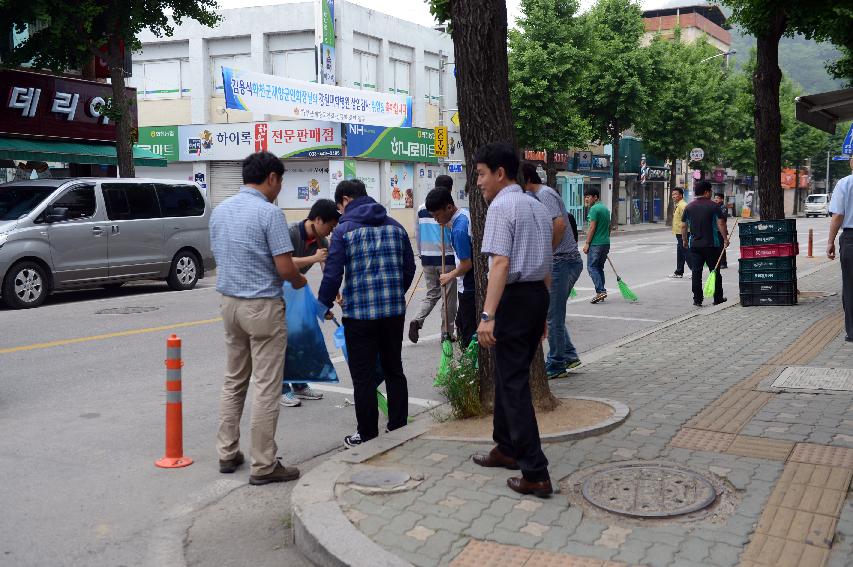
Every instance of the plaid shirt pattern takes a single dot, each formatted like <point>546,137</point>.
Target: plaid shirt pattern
<point>246,231</point>
<point>520,228</point>
<point>374,286</point>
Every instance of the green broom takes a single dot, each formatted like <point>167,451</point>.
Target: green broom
<point>446,345</point>
<point>623,287</point>
<point>573,293</point>
<point>711,282</point>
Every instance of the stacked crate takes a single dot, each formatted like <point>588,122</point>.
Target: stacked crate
<point>768,262</point>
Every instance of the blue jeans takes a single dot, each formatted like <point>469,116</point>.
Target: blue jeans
<point>287,387</point>
<point>595,265</point>
<point>564,274</point>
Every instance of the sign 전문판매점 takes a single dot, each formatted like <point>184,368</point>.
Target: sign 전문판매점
<point>298,138</point>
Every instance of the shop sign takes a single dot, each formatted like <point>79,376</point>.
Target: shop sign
<point>657,173</point>
<point>46,106</point>
<point>560,157</point>
<point>291,98</point>
<point>395,144</point>
<point>160,140</point>
<point>326,42</point>
<point>454,168</point>
<point>601,163</point>
<point>584,160</point>
<point>440,137</point>
<point>286,139</point>
<point>366,171</point>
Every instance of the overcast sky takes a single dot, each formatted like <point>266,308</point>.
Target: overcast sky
<point>418,11</point>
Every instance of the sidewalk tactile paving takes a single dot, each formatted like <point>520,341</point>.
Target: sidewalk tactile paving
<point>734,413</point>
<point>822,455</point>
<point>796,525</point>
<point>778,552</point>
<point>478,553</point>
<point>822,476</point>
<point>701,440</point>
<point>760,448</point>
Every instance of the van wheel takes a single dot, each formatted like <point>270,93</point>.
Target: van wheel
<point>183,274</point>
<point>25,286</point>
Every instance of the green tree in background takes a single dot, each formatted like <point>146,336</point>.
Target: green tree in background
<point>70,34</point>
<point>546,62</point>
<point>615,89</point>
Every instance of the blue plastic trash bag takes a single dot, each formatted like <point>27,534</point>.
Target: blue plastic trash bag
<point>306,358</point>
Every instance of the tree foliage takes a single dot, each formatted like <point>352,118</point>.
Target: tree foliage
<point>69,34</point>
<point>547,56</point>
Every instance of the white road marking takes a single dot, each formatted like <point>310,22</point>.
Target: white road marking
<point>633,287</point>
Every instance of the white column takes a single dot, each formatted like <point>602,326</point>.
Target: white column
<point>200,81</point>
<point>383,67</point>
<point>259,64</point>
<point>419,87</point>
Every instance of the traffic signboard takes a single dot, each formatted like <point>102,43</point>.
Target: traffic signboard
<point>697,154</point>
<point>441,141</point>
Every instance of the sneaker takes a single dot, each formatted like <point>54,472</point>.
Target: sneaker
<point>555,374</point>
<point>723,300</point>
<point>288,400</point>
<point>308,393</point>
<point>675,276</point>
<point>448,337</point>
<point>599,297</point>
<point>353,440</point>
<point>724,266</point>
<point>228,467</point>
<point>697,304</point>
<point>280,473</point>
<point>414,330</point>
<point>573,364</point>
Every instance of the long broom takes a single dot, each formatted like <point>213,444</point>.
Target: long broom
<point>446,345</point>
<point>711,282</point>
<point>623,287</point>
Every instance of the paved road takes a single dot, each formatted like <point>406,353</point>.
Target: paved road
<point>81,410</point>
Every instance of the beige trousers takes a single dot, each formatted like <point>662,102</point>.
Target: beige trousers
<point>255,340</point>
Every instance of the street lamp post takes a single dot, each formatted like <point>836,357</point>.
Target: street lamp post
<point>726,53</point>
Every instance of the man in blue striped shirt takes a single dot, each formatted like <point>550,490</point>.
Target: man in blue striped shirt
<point>374,252</point>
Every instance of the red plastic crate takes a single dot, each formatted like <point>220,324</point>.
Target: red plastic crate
<point>770,250</point>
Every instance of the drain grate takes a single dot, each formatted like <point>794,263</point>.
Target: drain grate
<point>125,310</point>
<point>380,478</point>
<point>648,490</point>
<point>810,378</point>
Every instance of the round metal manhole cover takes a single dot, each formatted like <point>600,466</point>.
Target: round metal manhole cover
<point>384,478</point>
<point>125,310</point>
<point>648,491</point>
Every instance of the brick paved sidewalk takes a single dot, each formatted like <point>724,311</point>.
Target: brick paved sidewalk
<point>701,396</point>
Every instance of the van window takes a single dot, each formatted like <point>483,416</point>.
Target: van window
<point>17,201</point>
<point>180,200</point>
<point>80,202</point>
<point>816,199</point>
<point>130,201</point>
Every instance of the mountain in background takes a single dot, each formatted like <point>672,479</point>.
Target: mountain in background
<point>802,60</point>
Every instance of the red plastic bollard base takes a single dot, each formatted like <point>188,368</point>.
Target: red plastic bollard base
<point>170,463</point>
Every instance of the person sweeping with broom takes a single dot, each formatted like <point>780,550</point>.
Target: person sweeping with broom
<point>704,219</point>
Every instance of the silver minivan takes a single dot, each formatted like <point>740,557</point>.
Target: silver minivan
<point>58,234</point>
<point>817,204</point>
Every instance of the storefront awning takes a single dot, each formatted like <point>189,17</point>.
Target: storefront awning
<point>825,110</point>
<point>72,152</point>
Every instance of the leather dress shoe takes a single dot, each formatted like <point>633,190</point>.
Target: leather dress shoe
<point>228,467</point>
<point>522,486</point>
<point>495,459</point>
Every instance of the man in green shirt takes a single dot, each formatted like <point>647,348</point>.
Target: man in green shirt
<point>597,244</point>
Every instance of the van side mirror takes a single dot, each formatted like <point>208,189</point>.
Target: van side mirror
<point>56,214</point>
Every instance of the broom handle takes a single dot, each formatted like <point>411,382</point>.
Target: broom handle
<point>443,288</point>
<point>723,251</point>
<point>414,289</point>
<point>612,267</point>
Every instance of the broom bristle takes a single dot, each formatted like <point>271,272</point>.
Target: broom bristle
<point>444,364</point>
<point>711,284</point>
<point>626,291</point>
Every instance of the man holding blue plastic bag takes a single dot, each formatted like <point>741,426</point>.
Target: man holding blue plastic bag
<point>310,246</point>
<point>373,251</point>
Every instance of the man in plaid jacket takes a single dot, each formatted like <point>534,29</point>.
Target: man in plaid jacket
<point>374,253</point>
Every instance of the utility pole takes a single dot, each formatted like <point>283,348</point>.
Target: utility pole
<point>827,171</point>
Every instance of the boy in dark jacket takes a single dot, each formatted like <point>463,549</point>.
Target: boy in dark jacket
<point>373,252</point>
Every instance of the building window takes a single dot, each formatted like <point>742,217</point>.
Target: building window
<point>297,64</point>
<point>365,70</point>
<point>433,84</point>
<point>399,82</point>
<point>233,61</point>
<point>158,80</point>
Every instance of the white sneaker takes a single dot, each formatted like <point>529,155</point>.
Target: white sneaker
<point>288,400</point>
<point>307,393</point>
<point>353,440</point>
<point>675,276</point>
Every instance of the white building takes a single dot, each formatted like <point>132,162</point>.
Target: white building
<point>179,82</point>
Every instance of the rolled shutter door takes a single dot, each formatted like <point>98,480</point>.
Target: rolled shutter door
<point>226,177</point>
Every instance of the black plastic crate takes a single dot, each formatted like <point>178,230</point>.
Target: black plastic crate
<point>760,299</point>
<point>760,264</point>
<point>783,226</point>
<point>768,238</point>
<point>787,275</point>
<point>768,288</point>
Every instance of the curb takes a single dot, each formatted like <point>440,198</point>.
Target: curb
<point>324,534</point>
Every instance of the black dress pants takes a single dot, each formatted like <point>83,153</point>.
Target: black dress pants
<point>366,339</point>
<point>466,318</point>
<point>846,251</point>
<point>701,256</point>
<point>519,325</point>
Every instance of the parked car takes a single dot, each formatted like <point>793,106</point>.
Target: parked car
<point>817,204</point>
<point>58,234</point>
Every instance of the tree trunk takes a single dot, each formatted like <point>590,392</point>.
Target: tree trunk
<point>614,201</point>
<point>550,170</point>
<point>768,120</point>
<point>125,136</point>
<point>482,80</point>
<point>668,197</point>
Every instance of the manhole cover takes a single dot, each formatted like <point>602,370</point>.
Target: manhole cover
<point>380,478</point>
<point>808,378</point>
<point>125,310</point>
<point>648,491</point>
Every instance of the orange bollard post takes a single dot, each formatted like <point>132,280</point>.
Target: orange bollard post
<point>811,242</point>
<point>174,409</point>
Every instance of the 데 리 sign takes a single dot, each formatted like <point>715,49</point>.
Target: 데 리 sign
<point>441,141</point>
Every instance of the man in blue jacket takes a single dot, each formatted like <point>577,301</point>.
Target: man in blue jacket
<point>373,252</point>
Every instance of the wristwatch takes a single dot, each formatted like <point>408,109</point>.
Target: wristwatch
<point>485,317</point>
